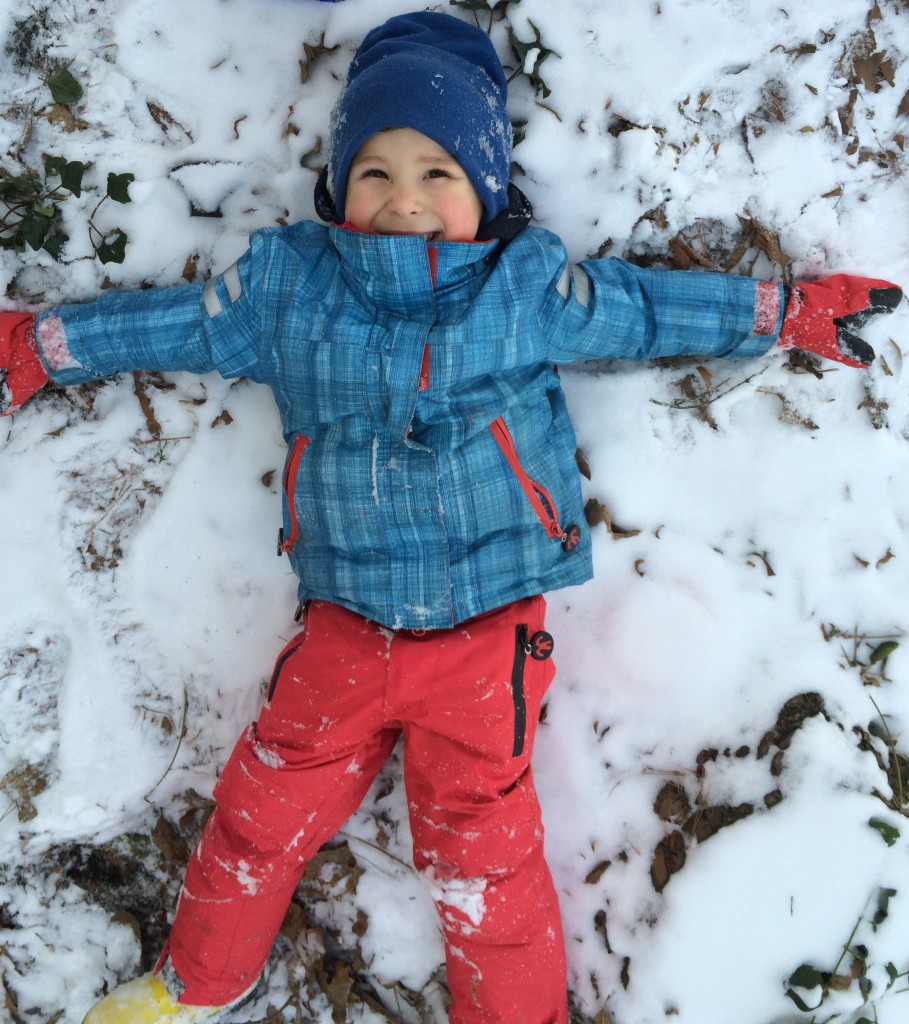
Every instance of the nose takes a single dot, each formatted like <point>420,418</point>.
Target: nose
<point>405,200</point>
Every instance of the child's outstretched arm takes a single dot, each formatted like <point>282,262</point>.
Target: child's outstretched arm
<point>195,327</point>
<point>21,371</point>
<point>822,315</point>
<point>608,308</point>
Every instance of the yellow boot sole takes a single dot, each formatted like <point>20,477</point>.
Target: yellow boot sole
<point>146,1001</point>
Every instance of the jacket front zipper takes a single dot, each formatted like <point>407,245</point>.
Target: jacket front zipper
<point>289,483</point>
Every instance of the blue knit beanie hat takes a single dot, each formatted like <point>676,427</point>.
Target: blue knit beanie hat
<point>440,76</point>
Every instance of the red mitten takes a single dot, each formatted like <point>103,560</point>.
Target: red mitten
<point>821,316</point>
<point>21,371</point>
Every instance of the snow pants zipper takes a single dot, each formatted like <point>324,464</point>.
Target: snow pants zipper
<point>521,650</point>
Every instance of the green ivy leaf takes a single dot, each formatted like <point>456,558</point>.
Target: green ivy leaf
<point>53,166</point>
<point>54,243</point>
<point>883,906</point>
<point>534,53</point>
<point>888,833</point>
<point>34,229</point>
<point>118,187</point>
<point>883,651</point>
<point>68,171</point>
<point>71,177</point>
<point>806,976</point>
<point>113,248</point>
<point>800,1003</point>
<point>64,87</point>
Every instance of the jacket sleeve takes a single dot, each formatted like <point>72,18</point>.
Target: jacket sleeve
<point>195,327</point>
<point>609,309</point>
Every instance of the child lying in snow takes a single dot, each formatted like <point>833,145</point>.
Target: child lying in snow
<point>430,498</point>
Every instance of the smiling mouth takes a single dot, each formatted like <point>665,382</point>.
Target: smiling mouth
<point>427,236</point>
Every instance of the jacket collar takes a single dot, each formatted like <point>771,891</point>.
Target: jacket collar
<point>394,272</point>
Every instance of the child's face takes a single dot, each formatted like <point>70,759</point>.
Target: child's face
<point>403,183</point>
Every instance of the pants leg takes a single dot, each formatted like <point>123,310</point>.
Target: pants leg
<point>478,837</point>
<point>468,701</point>
<point>292,781</point>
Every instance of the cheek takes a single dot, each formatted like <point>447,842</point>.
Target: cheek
<point>464,215</point>
<point>358,208</point>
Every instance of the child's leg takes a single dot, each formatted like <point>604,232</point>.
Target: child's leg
<point>475,818</point>
<point>293,779</point>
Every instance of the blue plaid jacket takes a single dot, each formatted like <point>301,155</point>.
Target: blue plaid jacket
<point>430,473</point>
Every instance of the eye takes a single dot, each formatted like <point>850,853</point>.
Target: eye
<point>372,172</point>
<point>438,172</point>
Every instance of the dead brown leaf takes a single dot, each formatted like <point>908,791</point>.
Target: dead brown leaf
<point>166,121</point>
<point>873,70</point>
<point>65,118</point>
<point>582,463</point>
<point>596,512</point>
<point>596,873</point>
<point>190,267</point>
<point>225,418</point>
<point>766,240</point>
<point>600,926</point>
<point>791,718</point>
<point>668,858</point>
<point>172,846</point>
<point>312,53</point>
<point>672,804</point>
<point>154,427</point>
<point>22,784</point>
<point>707,821</point>
<point>789,414</point>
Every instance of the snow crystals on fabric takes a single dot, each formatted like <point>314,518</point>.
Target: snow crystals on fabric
<point>462,894</point>
<point>268,757</point>
<point>54,344</point>
<point>766,307</point>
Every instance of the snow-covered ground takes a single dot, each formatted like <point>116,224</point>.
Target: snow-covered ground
<point>717,765</point>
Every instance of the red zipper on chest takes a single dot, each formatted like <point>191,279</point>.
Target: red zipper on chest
<point>289,483</point>
<point>540,499</point>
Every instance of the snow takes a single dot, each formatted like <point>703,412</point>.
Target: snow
<point>143,604</point>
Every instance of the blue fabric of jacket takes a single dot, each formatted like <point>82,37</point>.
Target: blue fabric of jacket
<point>430,473</point>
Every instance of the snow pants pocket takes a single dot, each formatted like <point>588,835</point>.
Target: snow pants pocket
<point>538,647</point>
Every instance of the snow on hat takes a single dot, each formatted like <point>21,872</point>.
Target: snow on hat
<point>440,76</point>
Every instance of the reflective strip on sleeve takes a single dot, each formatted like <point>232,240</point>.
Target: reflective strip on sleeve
<point>231,279</point>
<point>581,284</point>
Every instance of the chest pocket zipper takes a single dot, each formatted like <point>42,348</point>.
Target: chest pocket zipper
<point>540,499</point>
<point>289,483</point>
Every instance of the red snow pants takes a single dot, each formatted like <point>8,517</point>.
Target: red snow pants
<point>467,701</point>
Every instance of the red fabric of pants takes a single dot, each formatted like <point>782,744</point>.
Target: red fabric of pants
<point>467,701</point>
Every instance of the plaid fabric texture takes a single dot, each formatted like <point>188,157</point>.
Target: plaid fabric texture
<point>399,503</point>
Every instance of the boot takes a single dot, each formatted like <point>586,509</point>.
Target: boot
<point>146,1000</point>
